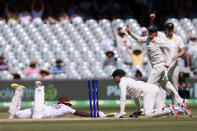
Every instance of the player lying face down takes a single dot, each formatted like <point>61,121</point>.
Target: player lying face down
<point>65,101</point>
<point>52,111</point>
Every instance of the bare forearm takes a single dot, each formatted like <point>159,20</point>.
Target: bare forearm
<point>137,103</point>
<point>152,18</point>
<point>151,22</point>
<point>182,53</point>
<point>82,114</point>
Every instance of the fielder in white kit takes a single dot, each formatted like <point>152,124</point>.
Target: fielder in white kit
<point>155,51</point>
<point>53,111</point>
<point>177,50</point>
<point>140,89</point>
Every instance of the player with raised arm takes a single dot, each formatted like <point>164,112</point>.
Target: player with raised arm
<point>176,46</point>
<point>140,89</point>
<point>53,111</point>
<point>155,47</point>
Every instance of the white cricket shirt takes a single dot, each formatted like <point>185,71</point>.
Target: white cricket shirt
<point>154,48</point>
<point>137,89</point>
<point>57,110</point>
<point>174,44</point>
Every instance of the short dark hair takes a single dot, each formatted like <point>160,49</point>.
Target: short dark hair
<point>119,72</point>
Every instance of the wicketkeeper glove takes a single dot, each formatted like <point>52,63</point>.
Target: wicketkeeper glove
<point>136,114</point>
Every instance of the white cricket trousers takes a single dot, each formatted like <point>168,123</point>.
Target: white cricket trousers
<point>16,102</point>
<point>173,76</point>
<point>152,102</point>
<point>23,114</point>
<point>157,75</point>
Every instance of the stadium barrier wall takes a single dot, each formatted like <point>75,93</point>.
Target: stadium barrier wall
<point>73,89</point>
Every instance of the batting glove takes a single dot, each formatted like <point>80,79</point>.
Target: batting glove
<point>102,114</point>
<point>120,115</point>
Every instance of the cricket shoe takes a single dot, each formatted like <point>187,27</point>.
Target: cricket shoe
<point>173,111</point>
<point>179,109</point>
<point>186,109</point>
<point>136,114</point>
<point>14,85</point>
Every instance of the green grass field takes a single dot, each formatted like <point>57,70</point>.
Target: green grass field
<point>72,123</point>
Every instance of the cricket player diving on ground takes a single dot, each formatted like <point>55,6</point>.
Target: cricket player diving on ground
<point>155,47</point>
<point>40,110</point>
<point>140,89</point>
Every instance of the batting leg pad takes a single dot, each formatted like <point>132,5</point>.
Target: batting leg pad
<point>16,102</point>
<point>39,100</point>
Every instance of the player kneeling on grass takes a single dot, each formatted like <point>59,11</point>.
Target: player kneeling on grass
<point>53,111</point>
<point>140,89</point>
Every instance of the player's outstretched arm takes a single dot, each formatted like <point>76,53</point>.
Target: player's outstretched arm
<point>82,114</point>
<point>152,18</point>
<point>138,112</point>
<point>134,36</point>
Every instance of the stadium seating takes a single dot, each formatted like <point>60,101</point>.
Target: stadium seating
<point>77,44</point>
